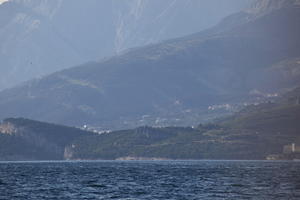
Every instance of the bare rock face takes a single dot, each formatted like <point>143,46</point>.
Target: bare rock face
<point>262,7</point>
<point>41,37</point>
<point>7,128</point>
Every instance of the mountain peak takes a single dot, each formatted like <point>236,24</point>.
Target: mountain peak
<point>262,7</point>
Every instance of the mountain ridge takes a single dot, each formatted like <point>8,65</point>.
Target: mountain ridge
<point>174,82</point>
<point>41,37</point>
<point>24,139</point>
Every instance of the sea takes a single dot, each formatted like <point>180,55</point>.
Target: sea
<point>135,180</point>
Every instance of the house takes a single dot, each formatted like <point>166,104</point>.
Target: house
<point>291,148</point>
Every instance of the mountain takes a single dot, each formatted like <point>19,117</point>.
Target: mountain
<point>41,37</point>
<point>253,133</point>
<point>266,6</point>
<point>246,58</point>
<point>24,139</point>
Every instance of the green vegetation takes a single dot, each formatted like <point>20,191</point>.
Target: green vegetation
<point>253,133</point>
<point>33,140</point>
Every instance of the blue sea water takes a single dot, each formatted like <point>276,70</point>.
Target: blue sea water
<point>133,180</point>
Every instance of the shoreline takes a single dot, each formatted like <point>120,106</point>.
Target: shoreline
<point>138,161</point>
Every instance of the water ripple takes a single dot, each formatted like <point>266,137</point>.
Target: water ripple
<point>150,180</point>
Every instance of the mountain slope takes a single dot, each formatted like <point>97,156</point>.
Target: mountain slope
<point>41,37</point>
<point>253,133</point>
<point>173,82</point>
<point>23,139</point>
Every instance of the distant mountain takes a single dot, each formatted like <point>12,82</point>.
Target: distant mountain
<point>266,6</point>
<point>41,37</point>
<point>246,58</point>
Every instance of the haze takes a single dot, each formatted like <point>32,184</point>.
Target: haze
<point>41,37</point>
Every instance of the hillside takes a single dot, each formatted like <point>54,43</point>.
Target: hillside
<point>41,37</point>
<point>23,139</point>
<point>240,61</point>
<point>253,133</point>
